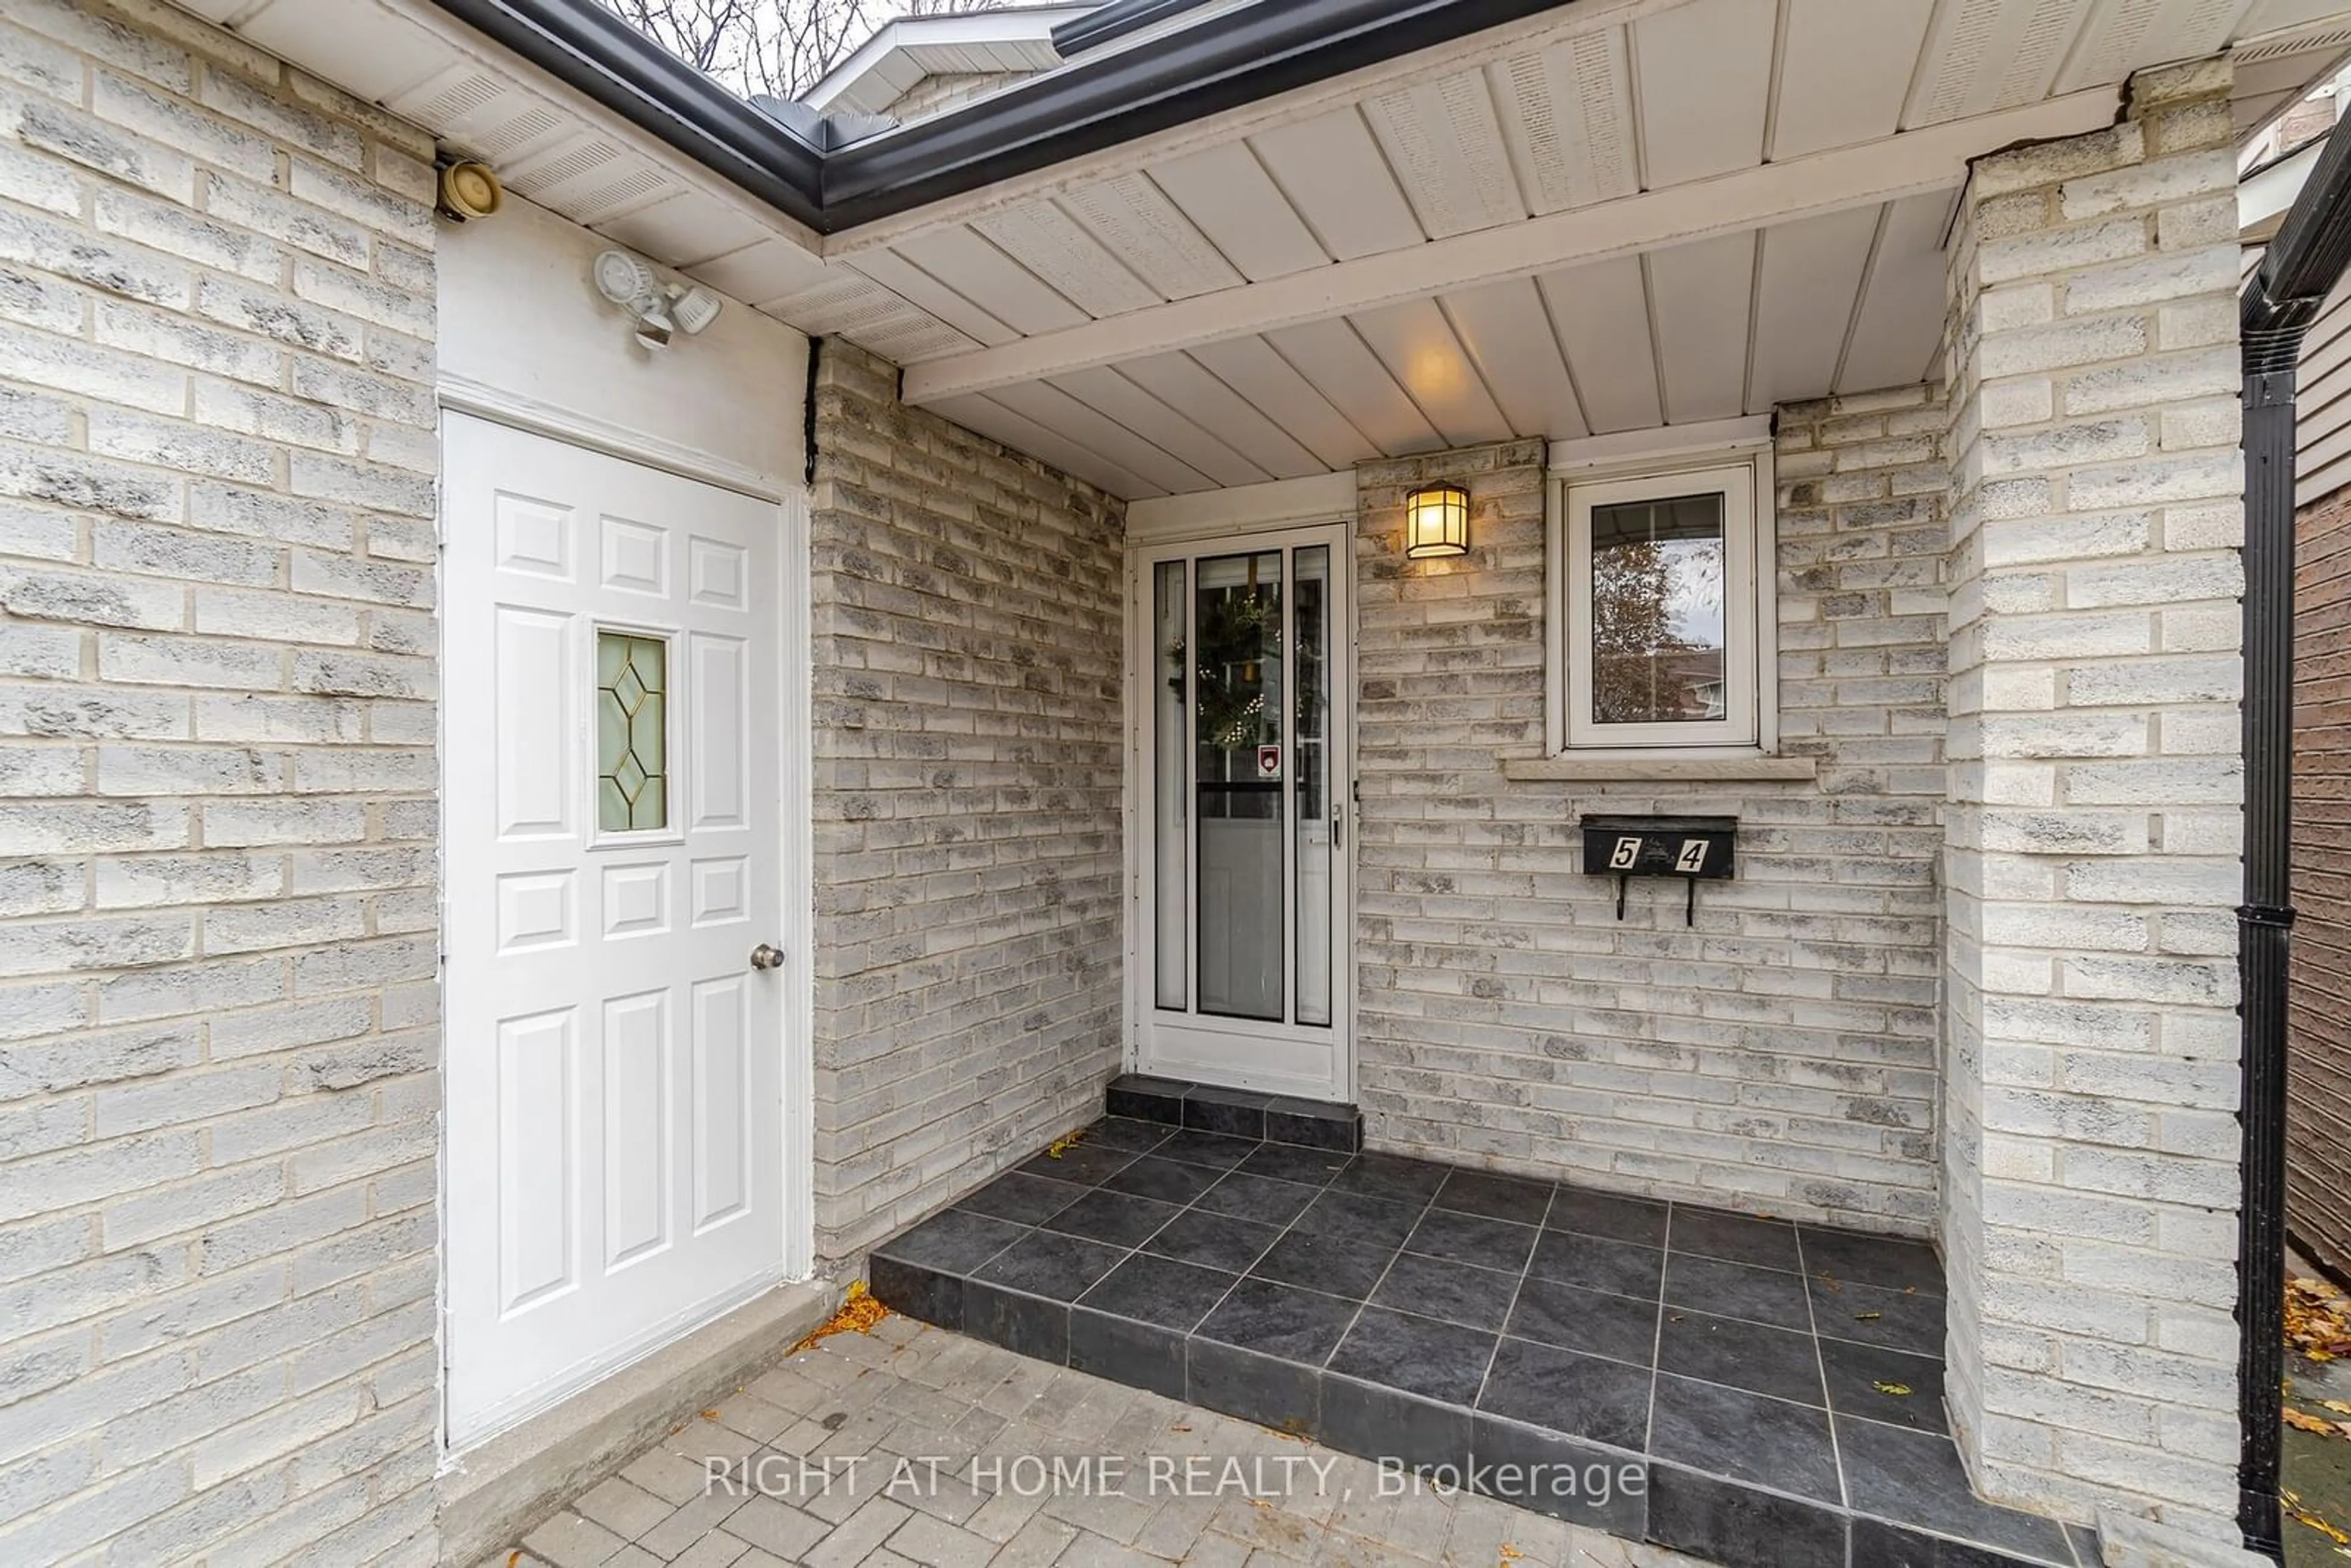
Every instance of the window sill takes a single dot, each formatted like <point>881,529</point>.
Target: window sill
<point>1658,769</point>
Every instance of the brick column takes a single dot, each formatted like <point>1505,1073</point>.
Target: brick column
<point>2090,1161</point>
<point>967,603</point>
<point>220,1044</point>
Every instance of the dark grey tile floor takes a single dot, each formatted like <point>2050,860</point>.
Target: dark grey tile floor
<point>1748,1390</point>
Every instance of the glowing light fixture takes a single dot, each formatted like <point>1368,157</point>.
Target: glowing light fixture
<point>1437,522</point>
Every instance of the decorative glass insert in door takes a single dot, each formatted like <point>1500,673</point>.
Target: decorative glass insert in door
<point>1235,659</point>
<point>632,732</point>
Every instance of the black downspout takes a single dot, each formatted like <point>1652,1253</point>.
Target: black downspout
<point>2262,924</point>
<point>2280,300</point>
<point>808,430</point>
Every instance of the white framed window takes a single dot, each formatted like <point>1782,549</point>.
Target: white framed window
<point>1662,624</point>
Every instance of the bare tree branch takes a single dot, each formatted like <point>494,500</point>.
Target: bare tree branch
<point>775,47</point>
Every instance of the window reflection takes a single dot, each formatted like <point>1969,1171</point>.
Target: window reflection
<point>1657,603</point>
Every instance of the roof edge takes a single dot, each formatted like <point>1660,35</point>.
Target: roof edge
<point>1115,20</point>
<point>1221,63</point>
<point>591,49</point>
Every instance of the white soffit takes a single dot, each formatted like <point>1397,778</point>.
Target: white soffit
<point>1618,215</point>
<point>553,147</point>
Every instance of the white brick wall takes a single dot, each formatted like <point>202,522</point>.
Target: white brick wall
<point>950,90</point>
<point>1780,1055</point>
<point>2090,1167</point>
<point>218,1089</point>
<point>968,743</point>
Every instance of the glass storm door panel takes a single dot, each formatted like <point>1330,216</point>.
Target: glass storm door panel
<point>1170,696</point>
<point>1309,771</point>
<point>1239,787</point>
<point>1243,881</point>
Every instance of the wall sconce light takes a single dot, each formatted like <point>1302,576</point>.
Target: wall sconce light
<point>1437,522</point>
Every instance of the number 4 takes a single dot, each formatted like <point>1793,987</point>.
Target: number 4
<point>1693,856</point>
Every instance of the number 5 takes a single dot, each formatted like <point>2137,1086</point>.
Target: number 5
<point>1627,852</point>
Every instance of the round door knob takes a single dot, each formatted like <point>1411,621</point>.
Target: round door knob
<point>767,956</point>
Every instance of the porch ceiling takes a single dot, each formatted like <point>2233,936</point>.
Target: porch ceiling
<point>1705,330</point>
<point>1623,216</point>
<point>1615,214</point>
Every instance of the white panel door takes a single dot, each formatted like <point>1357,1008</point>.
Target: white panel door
<point>1242,700</point>
<point>614,1072</point>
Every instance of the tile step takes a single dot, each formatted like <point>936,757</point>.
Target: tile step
<point>1235,1113</point>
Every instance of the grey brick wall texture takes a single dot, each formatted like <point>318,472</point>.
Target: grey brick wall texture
<point>2090,1168</point>
<point>969,736</point>
<point>1780,1055</point>
<point>219,1082</point>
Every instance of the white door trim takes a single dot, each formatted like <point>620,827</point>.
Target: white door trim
<point>466,395</point>
<point>1140,993</point>
<point>1210,515</point>
<point>796,735</point>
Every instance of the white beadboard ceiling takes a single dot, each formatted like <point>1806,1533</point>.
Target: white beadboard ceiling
<point>1618,215</point>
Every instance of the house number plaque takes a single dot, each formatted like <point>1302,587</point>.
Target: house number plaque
<point>1694,848</point>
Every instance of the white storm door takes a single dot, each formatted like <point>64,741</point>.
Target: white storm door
<point>612,841</point>
<point>1243,701</point>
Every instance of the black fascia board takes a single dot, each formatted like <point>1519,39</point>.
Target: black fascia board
<point>1115,20</point>
<point>588,48</point>
<point>1221,63</point>
<point>1218,64</point>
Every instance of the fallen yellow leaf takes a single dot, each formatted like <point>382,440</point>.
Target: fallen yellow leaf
<point>1059,1146</point>
<point>859,1311</point>
<point>2305,1516</point>
<point>710,1415</point>
<point>1867,1317</point>
<point>2302,1421</point>
<point>2317,1319</point>
<point>1896,1389</point>
<point>2337,1405</point>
